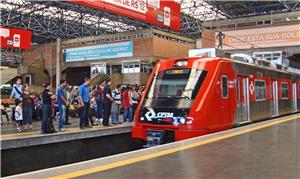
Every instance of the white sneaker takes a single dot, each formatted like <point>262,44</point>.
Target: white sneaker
<point>19,129</point>
<point>62,130</point>
<point>97,121</point>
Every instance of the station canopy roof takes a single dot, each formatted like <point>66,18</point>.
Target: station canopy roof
<point>49,20</point>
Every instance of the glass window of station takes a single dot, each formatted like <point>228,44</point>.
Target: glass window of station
<point>131,67</point>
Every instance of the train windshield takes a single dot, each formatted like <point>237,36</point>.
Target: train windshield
<point>176,84</point>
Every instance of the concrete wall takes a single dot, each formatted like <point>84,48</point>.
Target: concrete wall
<point>144,77</point>
<point>44,51</point>
<point>208,39</point>
<point>131,78</point>
<point>135,78</point>
<point>168,49</point>
<point>143,47</point>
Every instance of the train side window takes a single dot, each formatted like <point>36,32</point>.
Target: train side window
<point>238,95</point>
<point>260,90</point>
<point>298,91</point>
<point>284,90</point>
<point>224,86</point>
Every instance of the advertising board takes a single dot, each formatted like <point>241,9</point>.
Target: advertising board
<point>15,38</point>
<point>103,51</point>
<point>274,36</point>
<point>157,12</point>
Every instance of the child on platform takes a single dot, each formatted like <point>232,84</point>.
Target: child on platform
<point>19,117</point>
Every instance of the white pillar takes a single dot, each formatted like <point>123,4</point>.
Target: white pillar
<point>58,56</point>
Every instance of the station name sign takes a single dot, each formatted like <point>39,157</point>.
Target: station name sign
<point>105,51</point>
<point>157,12</point>
<point>15,38</point>
<point>275,36</point>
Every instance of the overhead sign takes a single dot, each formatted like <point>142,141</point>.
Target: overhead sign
<point>105,51</point>
<point>275,36</point>
<point>157,12</point>
<point>15,38</point>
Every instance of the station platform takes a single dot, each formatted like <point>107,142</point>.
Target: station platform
<point>61,148</point>
<point>12,139</point>
<point>268,149</point>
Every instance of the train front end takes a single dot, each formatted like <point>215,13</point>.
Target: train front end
<point>166,111</point>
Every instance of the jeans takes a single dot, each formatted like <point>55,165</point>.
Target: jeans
<point>115,112</point>
<point>46,116</point>
<point>67,114</point>
<point>84,115</point>
<point>99,109</point>
<point>62,115</point>
<point>127,114</point>
<point>27,112</point>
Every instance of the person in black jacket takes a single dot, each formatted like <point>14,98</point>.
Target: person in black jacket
<point>107,101</point>
<point>47,124</point>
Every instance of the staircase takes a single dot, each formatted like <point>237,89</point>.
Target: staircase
<point>7,74</point>
<point>99,79</point>
<point>116,78</point>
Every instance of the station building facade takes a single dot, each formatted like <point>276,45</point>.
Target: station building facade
<point>273,37</point>
<point>132,55</point>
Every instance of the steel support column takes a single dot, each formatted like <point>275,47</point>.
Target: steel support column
<point>58,57</point>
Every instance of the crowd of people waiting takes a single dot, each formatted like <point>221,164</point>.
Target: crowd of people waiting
<point>83,101</point>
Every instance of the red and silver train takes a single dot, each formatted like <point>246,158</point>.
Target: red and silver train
<point>190,97</point>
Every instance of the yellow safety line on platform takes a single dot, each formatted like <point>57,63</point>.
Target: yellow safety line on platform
<point>35,132</point>
<point>67,130</point>
<point>165,152</point>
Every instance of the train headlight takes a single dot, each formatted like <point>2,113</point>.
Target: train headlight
<point>182,120</point>
<point>189,120</point>
<point>181,63</point>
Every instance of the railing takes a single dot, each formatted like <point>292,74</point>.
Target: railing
<point>100,78</point>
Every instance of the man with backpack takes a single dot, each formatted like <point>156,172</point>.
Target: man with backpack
<point>16,94</point>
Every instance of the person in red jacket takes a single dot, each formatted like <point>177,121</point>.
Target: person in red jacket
<point>126,104</point>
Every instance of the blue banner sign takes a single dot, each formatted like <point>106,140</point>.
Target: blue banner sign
<point>105,51</point>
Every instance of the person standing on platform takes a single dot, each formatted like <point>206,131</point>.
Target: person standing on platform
<point>4,112</point>
<point>126,104</point>
<point>74,94</point>
<point>134,98</point>
<point>115,108</point>
<point>62,103</point>
<point>16,94</point>
<point>84,96</point>
<point>47,96</point>
<point>19,116</point>
<point>27,104</point>
<point>107,101</point>
<point>68,97</point>
<point>98,93</point>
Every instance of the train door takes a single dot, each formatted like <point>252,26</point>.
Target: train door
<point>274,92</point>
<point>243,100</point>
<point>294,97</point>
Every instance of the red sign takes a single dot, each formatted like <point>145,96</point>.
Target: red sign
<point>15,38</point>
<point>157,12</point>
